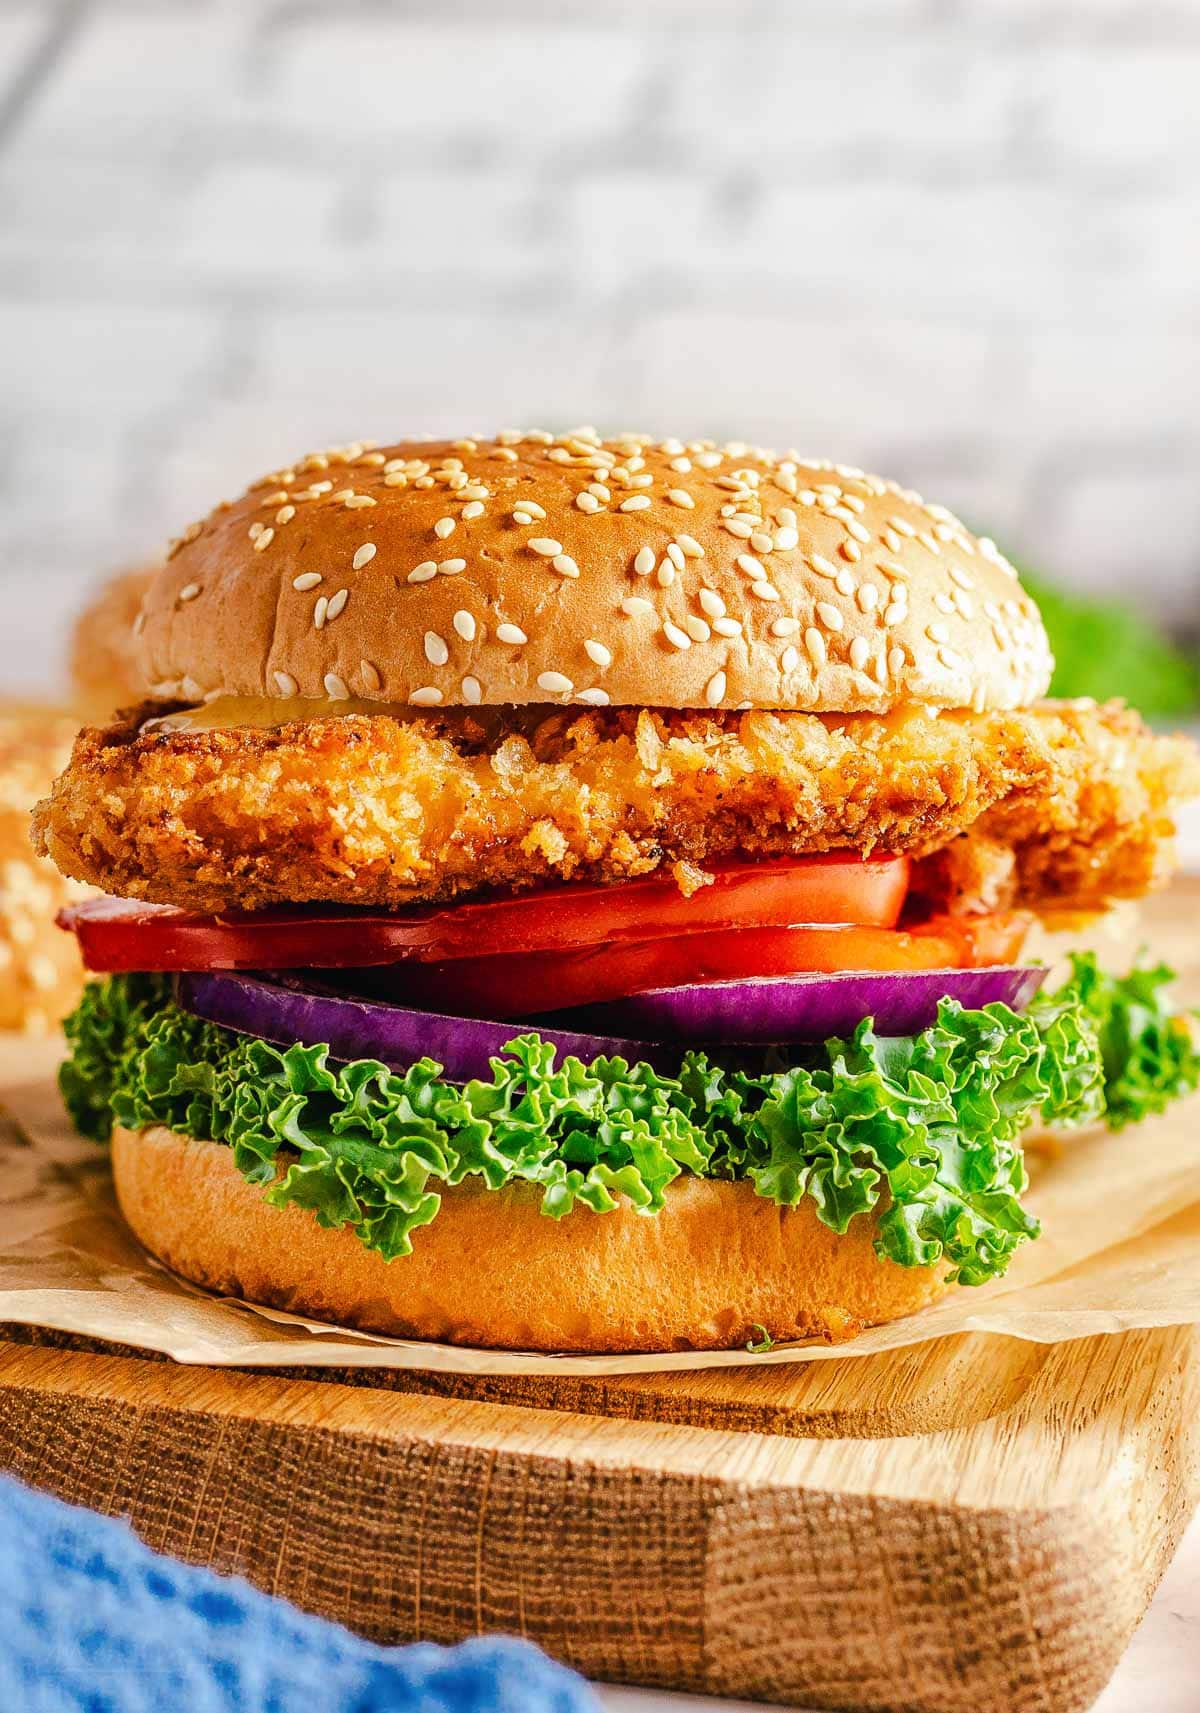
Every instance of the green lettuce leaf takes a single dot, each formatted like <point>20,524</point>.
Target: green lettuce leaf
<point>922,1131</point>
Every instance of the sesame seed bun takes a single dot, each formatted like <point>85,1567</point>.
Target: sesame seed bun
<point>719,1262</point>
<point>104,659</point>
<point>40,973</point>
<point>627,571</point>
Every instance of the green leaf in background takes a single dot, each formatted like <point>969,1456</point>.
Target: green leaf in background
<point>922,1131</point>
<point>1105,648</point>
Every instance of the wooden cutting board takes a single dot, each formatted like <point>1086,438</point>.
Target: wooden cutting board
<point>977,1523</point>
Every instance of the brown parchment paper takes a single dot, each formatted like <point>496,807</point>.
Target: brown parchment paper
<point>1120,1249</point>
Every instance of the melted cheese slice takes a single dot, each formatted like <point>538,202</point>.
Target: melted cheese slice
<point>227,712</point>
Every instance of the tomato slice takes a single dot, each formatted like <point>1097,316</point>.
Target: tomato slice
<point>513,985</point>
<point>118,934</point>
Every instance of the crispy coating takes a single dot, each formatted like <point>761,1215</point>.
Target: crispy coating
<point>384,810</point>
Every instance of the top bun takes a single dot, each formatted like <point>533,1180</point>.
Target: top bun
<point>633,571</point>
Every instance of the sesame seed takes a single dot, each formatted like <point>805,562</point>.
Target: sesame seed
<point>764,590</point>
<point>285,684</point>
<point>319,611</point>
<point>472,690</point>
<point>522,517</point>
<point>690,546</point>
<point>850,550</point>
<point>736,527</point>
<point>666,574</point>
<point>823,567</point>
<point>464,624</point>
<point>597,652</point>
<point>436,651</point>
<point>555,683</point>
<point>644,563</point>
<point>337,604</point>
<point>263,539</point>
<point>587,502</point>
<point>943,602</point>
<point>696,628</point>
<point>452,567</point>
<point>895,660</point>
<point>597,697</point>
<point>789,659</point>
<point>860,652</point>
<point>680,497</point>
<point>894,613</point>
<point>424,572</point>
<point>364,555</point>
<point>477,491</point>
<point>427,697</point>
<point>786,539</point>
<point>891,569</point>
<point>784,627</point>
<point>546,546</point>
<point>306,580</point>
<point>761,542</point>
<point>712,603</point>
<point>750,565</point>
<point>598,491</point>
<point>844,583</point>
<point>727,627</point>
<point>336,687</point>
<point>530,506</point>
<point>902,526</point>
<point>356,502</point>
<point>937,632</point>
<point>189,591</point>
<point>510,633</point>
<point>369,675</point>
<point>635,503</point>
<point>868,597</point>
<point>632,605</point>
<point>565,565</point>
<point>814,643</point>
<point>395,479</point>
<point>961,577</point>
<point>676,637</point>
<point>714,690</point>
<point>829,615</point>
<point>443,527</point>
<point>676,555</point>
<point>891,541</point>
<point>285,514</point>
<point>255,530</point>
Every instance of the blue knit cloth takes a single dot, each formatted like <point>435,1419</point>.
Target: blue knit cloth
<point>92,1621</point>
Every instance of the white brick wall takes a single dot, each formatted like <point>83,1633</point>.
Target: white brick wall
<point>958,239</point>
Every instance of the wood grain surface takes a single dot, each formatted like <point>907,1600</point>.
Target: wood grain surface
<point>975,1523</point>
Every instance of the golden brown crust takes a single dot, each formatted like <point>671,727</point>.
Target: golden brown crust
<point>40,973</point>
<point>411,574</point>
<point>716,1266</point>
<point>105,673</point>
<point>382,811</point>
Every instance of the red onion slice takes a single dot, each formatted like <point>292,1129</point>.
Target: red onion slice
<point>287,1011</point>
<point>782,1009</point>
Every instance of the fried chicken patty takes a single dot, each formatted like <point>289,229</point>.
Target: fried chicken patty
<point>1062,804</point>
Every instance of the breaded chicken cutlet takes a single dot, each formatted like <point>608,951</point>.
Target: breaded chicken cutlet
<point>1063,804</point>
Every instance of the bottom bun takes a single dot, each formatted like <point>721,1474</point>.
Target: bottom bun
<point>713,1269</point>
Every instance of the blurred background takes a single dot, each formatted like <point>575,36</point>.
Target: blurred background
<point>954,240</point>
